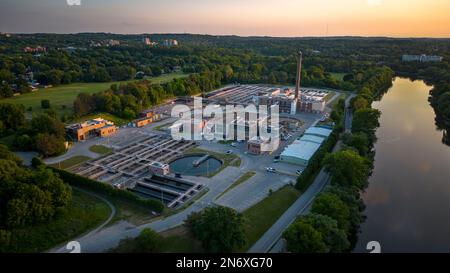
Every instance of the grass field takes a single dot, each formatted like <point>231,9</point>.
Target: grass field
<point>100,149</point>
<point>263,215</point>
<point>180,240</point>
<point>85,213</point>
<point>176,240</point>
<point>71,162</point>
<point>61,97</point>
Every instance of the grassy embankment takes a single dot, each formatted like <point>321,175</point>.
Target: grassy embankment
<point>100,149</point>
<point>85,213</point>
<point>263,215</point>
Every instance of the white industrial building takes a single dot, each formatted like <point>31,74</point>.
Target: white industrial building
<point>302,150</point>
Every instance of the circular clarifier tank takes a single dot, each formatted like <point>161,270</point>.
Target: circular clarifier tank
<point>195,165</point>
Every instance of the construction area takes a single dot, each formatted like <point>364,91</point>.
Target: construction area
<point>143,167</point>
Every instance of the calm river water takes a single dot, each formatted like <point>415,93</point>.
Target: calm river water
<point>408,199</point>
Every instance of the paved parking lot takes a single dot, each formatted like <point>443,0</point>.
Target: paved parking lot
<point>253,190</point>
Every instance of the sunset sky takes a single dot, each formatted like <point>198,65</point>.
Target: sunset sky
<point>396,18</point>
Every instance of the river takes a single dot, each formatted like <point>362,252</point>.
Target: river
<point>408,198</point>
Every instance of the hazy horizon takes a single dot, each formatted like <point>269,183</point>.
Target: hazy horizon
<point>283,18</point>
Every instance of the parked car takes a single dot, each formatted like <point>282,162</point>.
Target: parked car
<point>271,170</point>
<point>229,152</point>
<point>299,172</point>
<point>233,144</point>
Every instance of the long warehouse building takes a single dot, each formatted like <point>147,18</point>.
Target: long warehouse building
<point>302,150</point>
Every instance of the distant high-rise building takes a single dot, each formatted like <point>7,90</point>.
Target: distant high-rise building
<point>112,42</point>
<point>170,42</point>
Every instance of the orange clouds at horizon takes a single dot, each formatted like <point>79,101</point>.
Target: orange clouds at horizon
<point>395,18</point>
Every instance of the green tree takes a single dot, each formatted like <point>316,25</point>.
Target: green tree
<point>347,168</point>
<point>332,206</point>
<point>45,104</point>
<point>359,141</point>
<point>49,145</point>
<point>149,241</point>
<point>44,123</point>
<point>302,237</point>
<point>335,238</point>
<point>366,121</point>
<point>220,229</point>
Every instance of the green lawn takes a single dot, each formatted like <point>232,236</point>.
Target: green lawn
<point>180,240</point>
<point>134,214</point>
<point>228,160</point>
<point>71,162</point>
<point>61,97</point>
<point>100,149</point>
<point>85,213</point>
<point>176,240</point>
<point>263,215</point>
<point>239,181</point>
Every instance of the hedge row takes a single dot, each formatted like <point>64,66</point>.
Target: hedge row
<point>105,189</point>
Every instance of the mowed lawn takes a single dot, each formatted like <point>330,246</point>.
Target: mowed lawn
<point>263,215</point>
<point>62,97</point>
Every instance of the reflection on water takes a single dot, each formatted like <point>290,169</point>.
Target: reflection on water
<point>185,165</point>
<point>408,199</point>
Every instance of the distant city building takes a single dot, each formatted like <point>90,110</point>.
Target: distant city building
<point>113,42</point>
<point>170,43</point>
<point>421,58</point>
<point>147,41</point>
<point>38,49</point>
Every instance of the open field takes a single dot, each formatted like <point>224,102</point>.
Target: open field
<point>263,215</point>
<point>85,213</point>
<point>176,240</point>
<point>61,97</point>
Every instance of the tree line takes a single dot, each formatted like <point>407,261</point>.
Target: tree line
<point>336,214</point>
<point>27,197</point>
<point>44,133</point>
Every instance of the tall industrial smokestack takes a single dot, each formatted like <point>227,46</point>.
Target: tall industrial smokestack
<point>299,74</point>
